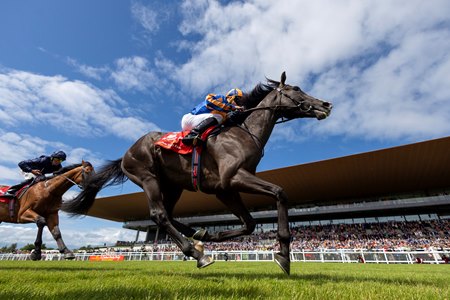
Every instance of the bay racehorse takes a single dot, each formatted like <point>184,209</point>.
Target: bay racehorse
<point>228,168</point>
<point>41,202</point>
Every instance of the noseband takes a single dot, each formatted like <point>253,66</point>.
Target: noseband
<point>297,105</point>
<point>80,186</point>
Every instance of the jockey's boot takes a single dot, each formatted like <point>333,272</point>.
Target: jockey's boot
<point>194,135</point>
<point>11,192</point>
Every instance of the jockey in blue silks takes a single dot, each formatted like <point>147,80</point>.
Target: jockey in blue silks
<point>212,111</point>
<point>35,169</point>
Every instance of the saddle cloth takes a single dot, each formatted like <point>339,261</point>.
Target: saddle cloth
<point>172,141</point>
<point>3,189</point>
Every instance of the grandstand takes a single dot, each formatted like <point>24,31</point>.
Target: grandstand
<point>404,183</point>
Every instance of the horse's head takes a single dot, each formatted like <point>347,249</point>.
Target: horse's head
<point>86,170</point>
<point>292,102</point>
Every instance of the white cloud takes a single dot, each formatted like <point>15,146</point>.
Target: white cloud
<point>145,16</point>
<point>133,73</point>
<point>73,236</point>
<point>83,109</point>
<point>88,71</point>
<point>383,64</point>
<point>15,147</point>
<point>402,95</point>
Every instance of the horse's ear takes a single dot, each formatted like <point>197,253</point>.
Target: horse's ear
<point>283,78</point>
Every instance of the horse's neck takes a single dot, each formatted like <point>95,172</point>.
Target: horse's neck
<point>260,123</point>
<point>60,184</point>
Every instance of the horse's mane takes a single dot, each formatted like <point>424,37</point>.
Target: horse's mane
<point>68,168</point>
<point>254,97</point>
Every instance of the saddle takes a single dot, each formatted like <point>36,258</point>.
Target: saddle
<point>4,188</point>
<point>172,141</point>
<point>11,202</point>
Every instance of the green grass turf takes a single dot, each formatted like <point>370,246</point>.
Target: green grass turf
<point>222,280</point>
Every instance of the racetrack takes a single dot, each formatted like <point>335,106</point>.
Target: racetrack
<point>222,280</point>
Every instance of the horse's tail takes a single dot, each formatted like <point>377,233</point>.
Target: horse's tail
<point>109,174</point>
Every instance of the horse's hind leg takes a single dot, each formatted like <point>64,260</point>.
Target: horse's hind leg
<point>171,196</point>
<point>52,224</point>
<point>159,215</point>
<point>234,203</point>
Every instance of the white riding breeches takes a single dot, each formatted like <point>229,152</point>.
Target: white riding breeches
<point>189,120</point>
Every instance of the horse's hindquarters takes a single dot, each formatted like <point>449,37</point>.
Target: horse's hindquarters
<point>5,215</point>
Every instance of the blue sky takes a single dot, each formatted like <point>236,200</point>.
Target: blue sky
<point>91,77</point>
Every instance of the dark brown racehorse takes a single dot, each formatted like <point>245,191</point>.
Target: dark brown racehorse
<point>41,202</point>
<point>228,167</point>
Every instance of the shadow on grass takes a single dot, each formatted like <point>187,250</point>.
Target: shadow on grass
<point>220,276</point>
<point>316,279</point>
<point>150,292</point>
<point>53,268</point>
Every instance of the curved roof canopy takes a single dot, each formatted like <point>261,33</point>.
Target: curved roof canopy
<point>415,168</point>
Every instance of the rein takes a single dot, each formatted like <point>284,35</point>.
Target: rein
<point>298,105</point>
<point>256,140</point>
<point>72,181</point>
<point>68,179</point>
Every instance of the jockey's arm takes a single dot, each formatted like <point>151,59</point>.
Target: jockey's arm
<point>220,103</point>
<point>29,165</point>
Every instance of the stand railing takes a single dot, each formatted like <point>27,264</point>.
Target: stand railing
<point>324,256</point>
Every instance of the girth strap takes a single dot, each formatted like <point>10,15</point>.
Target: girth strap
<point>11,207</point>
<point>196,167</point>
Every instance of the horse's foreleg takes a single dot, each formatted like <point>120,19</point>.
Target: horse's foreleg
<point>30,216</point>
<point>246,182</point>
<point>53,227</point>
<point>233,202</point>
<point>37,253</point>
<point>159,215</point>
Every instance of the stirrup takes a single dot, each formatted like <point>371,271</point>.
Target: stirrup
<point>193,140</point>
<point>188,141</point>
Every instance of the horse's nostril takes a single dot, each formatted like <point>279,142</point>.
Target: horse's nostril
<point>328,105</point>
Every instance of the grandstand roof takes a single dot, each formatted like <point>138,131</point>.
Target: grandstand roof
<point>418,168</point>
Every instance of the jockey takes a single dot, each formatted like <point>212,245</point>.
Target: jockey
<point>212,111</point>
<point>35,169</point>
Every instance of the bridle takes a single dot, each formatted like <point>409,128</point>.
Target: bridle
<point>83,173</point>
<point>298,105</point>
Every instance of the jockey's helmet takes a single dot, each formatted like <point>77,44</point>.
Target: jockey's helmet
<point>233,94</point>
<point>59,155</point>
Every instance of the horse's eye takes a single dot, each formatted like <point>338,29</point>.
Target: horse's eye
<point>296,88</point>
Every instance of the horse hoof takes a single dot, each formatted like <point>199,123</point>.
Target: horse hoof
<point>35,256</point>
<point>69,256</point>
<point>204,262</point>
<point>284,263</point>
<point>199,234</point>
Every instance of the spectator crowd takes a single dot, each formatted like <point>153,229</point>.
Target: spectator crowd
<point>394,235</point>
<point>414,235</point>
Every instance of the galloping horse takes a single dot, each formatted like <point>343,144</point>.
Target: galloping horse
<point>41,202</point>
<point>228,167</point>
